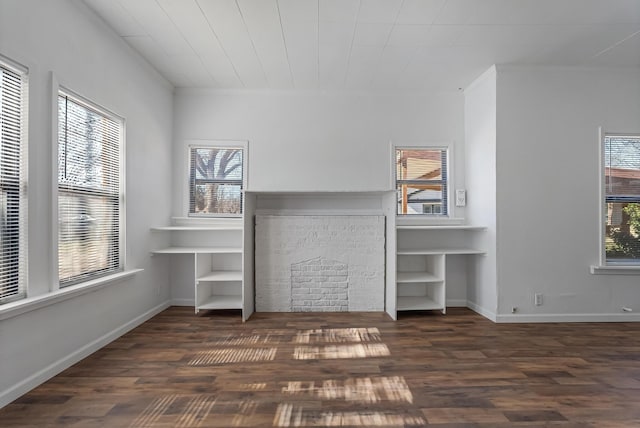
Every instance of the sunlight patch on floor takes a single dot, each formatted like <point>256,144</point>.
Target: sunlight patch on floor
<point>290,415</point>
<point>193,409</point>
<point>340,351</point>
<point>246,410</point>
<point>338,335</point>
<point>363,390</point>
<point>197,410</point>
<point>253,386</point>
<point>255,339</point>
<point>230,355</point>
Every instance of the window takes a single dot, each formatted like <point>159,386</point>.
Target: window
<point>13,174</point>
<point>622,198</point>
<point>90,191</point>
<point>421,181</point>
<point>215,180</point>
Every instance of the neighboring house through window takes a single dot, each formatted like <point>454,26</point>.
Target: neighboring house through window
<point>421,181</point>
<point>13,174</point>
<point>216,179</point>
<point>90,190</point>
<point>622,198</point>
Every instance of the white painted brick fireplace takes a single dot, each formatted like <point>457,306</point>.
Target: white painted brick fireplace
<point>319,263</point>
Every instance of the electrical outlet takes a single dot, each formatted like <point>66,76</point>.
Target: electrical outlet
<point>461,198</point>
<point>537,299</point>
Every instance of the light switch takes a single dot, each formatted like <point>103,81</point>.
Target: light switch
<point>461,197</point>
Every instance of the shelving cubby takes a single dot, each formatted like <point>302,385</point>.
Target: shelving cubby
<point>218,260</point>
<point>422,252</point>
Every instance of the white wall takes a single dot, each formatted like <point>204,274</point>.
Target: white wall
<point>547,186</point>
<point>66,38</point>
<point>480,169</point>
<point>316,140</point>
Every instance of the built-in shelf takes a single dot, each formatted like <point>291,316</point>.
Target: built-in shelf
<point>218,253</point>
<point>222,302</point>
<point>417,303</point>
<point>417,277</point>
<point>199,250</point>
<point>422,253</point>
<point>433,251</point>
<point>223,275</point>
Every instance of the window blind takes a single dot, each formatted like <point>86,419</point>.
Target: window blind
<point>13,173</point>
<point>90,196</point>
<point>622,198</point>
<point>421,181</point>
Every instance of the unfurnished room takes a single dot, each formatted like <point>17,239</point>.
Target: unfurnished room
<point>290,213</point>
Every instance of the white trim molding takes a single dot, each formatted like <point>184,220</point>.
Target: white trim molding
<point>491,316</point>
<point>565,318</point>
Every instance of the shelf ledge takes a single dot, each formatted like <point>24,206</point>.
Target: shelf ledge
<point>436,251</point>
<point>411,277</point>
<point>226,275</point>
<point>417,303</point>
<point>440,227</point>
<point>221,302</point>
<point>198,250</point>
<point>196,228</point>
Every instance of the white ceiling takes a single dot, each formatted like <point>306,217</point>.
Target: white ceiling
<point>368,44</point>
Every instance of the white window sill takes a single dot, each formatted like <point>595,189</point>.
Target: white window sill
<point>22,306</point>
<point>615,270</point>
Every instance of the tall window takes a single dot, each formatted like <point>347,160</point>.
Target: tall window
<point>421,181</point>
<point>13,173</point>
<point>90,191</point>
<point>215,180</point>
<point>622,198</point>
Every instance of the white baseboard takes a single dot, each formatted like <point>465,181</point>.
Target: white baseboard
<point>545,318</point>
<point>491,316</point>
<point>541,318</point>
<point>456,303</point>
<point>182,302</point>
<point>21,388</point>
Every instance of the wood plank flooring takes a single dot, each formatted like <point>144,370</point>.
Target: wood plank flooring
<point>346,369</point>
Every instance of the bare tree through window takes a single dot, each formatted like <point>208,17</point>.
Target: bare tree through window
<point>216,175</point>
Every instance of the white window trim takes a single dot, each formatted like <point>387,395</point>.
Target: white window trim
<point>241,144</point>
<point>604,268</point>
<point>402,219</point>
<point>55,290</point>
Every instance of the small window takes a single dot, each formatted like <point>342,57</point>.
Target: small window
<point>90,191</point>
<point>13,174</point>
<point>622,199</point>
<point>421,181</point>
<point>216,180</point>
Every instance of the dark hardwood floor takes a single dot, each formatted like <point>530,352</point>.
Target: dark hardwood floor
<point>341,369</point>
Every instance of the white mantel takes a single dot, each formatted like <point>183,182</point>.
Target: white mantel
<point>322,202</point>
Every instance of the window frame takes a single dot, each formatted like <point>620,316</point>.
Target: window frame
<point>22,273</point>
<point>447,182</point>
<point>213,144</point>
<point>613,266</point>
<point>89,104</point>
